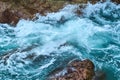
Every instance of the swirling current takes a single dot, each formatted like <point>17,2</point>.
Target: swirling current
<point>34,48</point>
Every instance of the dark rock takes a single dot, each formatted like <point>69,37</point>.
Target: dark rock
<point>9,17</point>
<point>117,1</point>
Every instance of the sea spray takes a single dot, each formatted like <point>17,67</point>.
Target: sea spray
<point>33,49</point>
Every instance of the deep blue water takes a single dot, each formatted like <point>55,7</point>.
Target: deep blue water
<point>33,49</point>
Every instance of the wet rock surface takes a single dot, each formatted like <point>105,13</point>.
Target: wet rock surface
<point>76,70</point>
<point>13,10</point>
<point>116,1</point>
<point>99,75</point>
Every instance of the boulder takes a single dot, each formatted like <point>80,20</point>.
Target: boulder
<point>76,70</point>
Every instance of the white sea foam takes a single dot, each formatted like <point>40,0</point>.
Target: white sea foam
<point>44,42</point>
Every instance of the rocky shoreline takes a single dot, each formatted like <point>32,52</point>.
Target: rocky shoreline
<point>13,10</point>
<point>76,70</point>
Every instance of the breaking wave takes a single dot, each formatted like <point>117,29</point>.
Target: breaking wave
<point>34,48</point>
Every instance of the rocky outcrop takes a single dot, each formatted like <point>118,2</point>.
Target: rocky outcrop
<point>76,70</point>
<point>12,10</point>
<point>117,1</point>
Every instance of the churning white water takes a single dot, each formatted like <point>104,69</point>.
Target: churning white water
<point>34,48</point>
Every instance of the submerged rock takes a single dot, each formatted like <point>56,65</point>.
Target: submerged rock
<point>99,75</point>
<point>76,70</point>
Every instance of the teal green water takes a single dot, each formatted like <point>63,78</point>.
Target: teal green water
<point>33,49</point>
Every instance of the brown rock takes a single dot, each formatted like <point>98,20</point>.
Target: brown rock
<point>117,1</point>
<point>16,9</point>
<point>9,17</point>
<point>12,10</point>
<point>76,70</point>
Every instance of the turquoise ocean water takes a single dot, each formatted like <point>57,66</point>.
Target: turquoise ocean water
<point>34,48</point>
